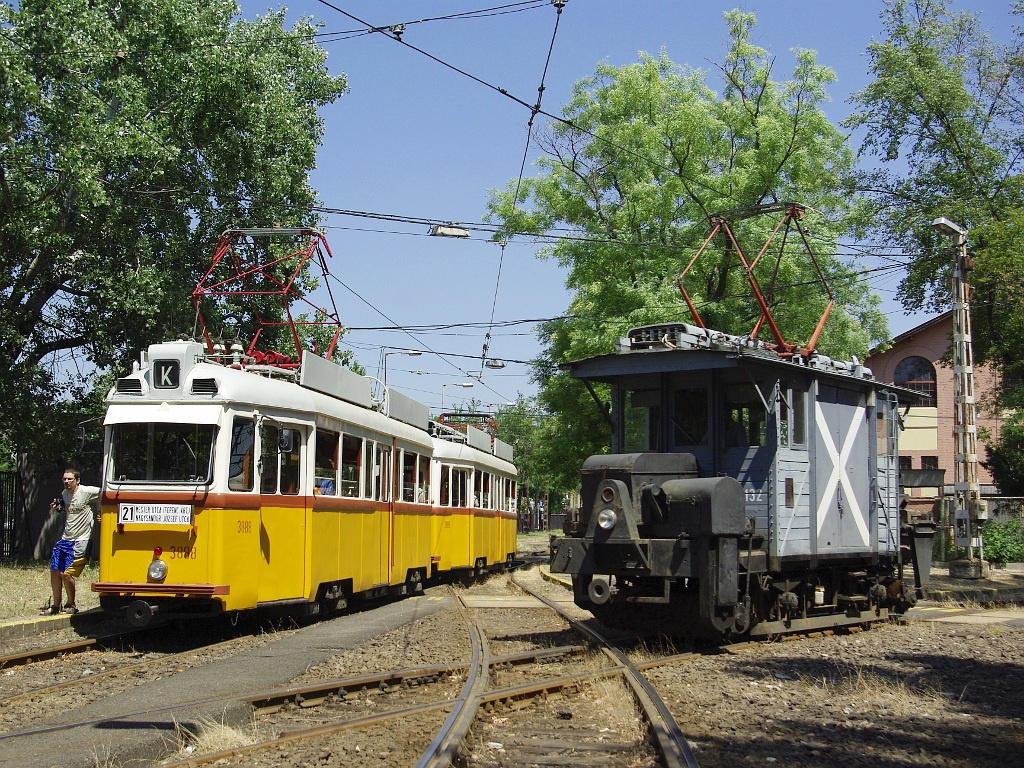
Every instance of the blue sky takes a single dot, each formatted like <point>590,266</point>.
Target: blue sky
<point>416,139</point>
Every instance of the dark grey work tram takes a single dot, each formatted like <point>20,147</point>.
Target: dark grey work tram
<point>748,493</point>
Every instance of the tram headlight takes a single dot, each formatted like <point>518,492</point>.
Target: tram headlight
<point>607,519</point>
<point>157,570</point>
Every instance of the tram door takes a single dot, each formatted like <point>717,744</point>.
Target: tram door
<point>841,454</point>
<point>282,514</point>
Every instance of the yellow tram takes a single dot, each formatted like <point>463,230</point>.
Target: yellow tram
<point>230,487</point>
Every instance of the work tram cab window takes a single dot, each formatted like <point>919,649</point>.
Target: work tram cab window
<point>745,417</point>
<point>792,416</point>
<point>163,453</point>
<point>641,420</point>
<point>687,424</point>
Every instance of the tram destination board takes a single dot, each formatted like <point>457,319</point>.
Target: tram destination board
<point>155,514</point>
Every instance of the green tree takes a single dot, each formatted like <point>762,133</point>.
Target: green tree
<point>133,133</point>
<point>523,427</point>
<point>944,115</point>
<point>642,156</point>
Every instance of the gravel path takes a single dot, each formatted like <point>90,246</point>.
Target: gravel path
<point>925,694</point>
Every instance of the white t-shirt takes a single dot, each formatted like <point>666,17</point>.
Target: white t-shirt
<point>80,514</point>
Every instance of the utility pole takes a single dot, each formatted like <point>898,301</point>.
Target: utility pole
<point>969,507</point>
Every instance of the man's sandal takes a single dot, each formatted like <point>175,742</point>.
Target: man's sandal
<point>70,609</point>
<point>52,610</point>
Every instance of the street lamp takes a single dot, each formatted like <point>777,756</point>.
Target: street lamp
<point>466,384</point>
<point>946,227</point>
<point>448,230</point>
<point>409,352</point>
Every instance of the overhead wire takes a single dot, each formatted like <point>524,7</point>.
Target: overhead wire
<point>392,33</point>
<point>559,5</point>
<point>420,342</point>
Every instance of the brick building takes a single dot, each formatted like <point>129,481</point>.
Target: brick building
<point>915,361</point>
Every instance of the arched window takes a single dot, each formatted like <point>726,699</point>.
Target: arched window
<point>917,374</point>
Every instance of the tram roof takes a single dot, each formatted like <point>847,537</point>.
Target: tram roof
<point>678,347</point>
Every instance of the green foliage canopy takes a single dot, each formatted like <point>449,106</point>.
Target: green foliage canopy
<point>944,115</point>
<point>133,133</point>
<point>642,156</point>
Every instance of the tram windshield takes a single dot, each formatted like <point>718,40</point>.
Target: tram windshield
<point>162,453</point>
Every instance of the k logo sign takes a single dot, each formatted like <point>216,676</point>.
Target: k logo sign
<point>166,374</point>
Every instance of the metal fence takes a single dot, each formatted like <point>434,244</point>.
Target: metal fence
<point>9,497</point>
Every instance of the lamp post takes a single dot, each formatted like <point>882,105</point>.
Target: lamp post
<point>409,352</point>
<point>466,384</point>
<point>969,508</point>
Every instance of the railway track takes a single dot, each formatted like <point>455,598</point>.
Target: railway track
<point>509,692</point>
<point>525,682</point>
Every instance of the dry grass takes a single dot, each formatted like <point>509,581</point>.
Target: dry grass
<point>25,588</point>
<point>869,687</point>
<point>614,700</point>
<point>209,736</point>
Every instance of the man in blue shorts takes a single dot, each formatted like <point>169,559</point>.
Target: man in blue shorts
<point>68,558</point>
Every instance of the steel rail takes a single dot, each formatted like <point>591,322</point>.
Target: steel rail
<point>307,733</point>
<point>501,696</point>
<point>670,739</point>
<point>271,699</point>
<point>56,651</point>
<point>440,752</point>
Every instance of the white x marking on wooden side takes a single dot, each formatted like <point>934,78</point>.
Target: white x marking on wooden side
<point>838,474</point>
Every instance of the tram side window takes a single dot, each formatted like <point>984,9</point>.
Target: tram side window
<point>485,499</point>
<point>477,483</point>
<point>641,423</point>
<point>385,472</point>
<point>243,440</point>
<point>444,495</point>
<point>325,468</point>
<point>409,460</point>
<point>370,470</point>
<point>460,484</point>
<point>499,492</point>
<point>351,451</point>
<point>378,471</point>
<point>792,416</point>
<point>690,416</point>
<point>745,423</point>
<point>423,480</point>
